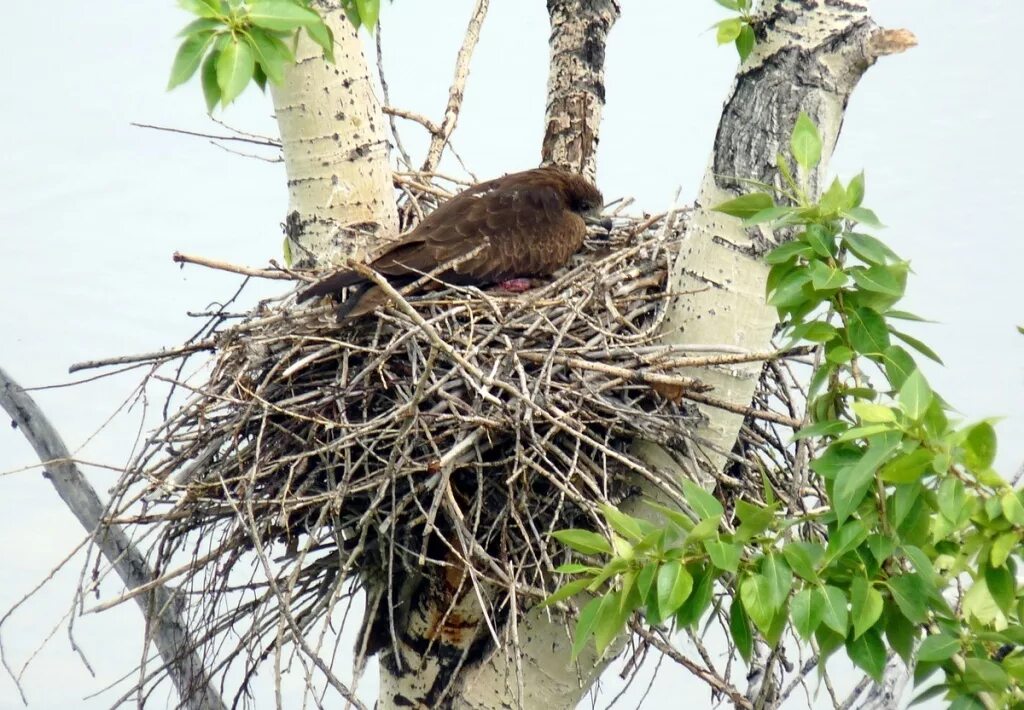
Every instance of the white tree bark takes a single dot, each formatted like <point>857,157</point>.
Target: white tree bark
<point>334,141</point>
<point>576,93</point>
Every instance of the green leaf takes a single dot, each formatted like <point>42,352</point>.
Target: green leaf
<point>695,605</point>
<point>865,605</point>
<point>203,8</point>
<point>898,365</point>
<point>728,30</point>
<point>369,11</point>
<point>234,69</point>
<point>846,538</point>
<point>729,4</point>
<point>907,468</point>
<point>834,199</point>
<point>585,625</point>
<point>855,190</point>
<point>815,332</point>
<point>780,578</point>
<point>754,520</point>
<point>881,547</point>
<point>869,249</point>
<point>868,653</point>
<point>951,499</point>
<point>853,484</point>
<point>878,279</point>
<point>900,633</point>
<point>915,396</point>
<point>565,591</point>
<point>1012,508</point>
<point>703,503</point>
<point>806,610</point>
<point>938,647</point>
<point>746,205</point>
<point>272,54</point>
<point>805,143</point>
<point>189,56</point>
<point>323,36</point>
<point>980,446</point>
<point>211,91</point>
<point>778,215</point>
<point>756,593</point>
<point>724,555</point>
<point>201,26</point>
<point>281,15</point>
<point>739,627</point>
<point>674,586</point>
<point>790,291</point>
<point>745,42</point>
<point>834,613</point>
<point>821,429</point>
<point>584,541</point>
<point>1002,586</point>
<point>625,525</point>
<point>982,674</point>
<point>803,557</point>
<point>910,595</point>
<point>1002,546</point>
<point>917,345</point>
<point>836,460</point>
<point>819,239</point>
<point>611,618</point>
<point>826,278</point>
<point>786,252</point>
<point>867,331</point>
<point>863,215</point>
<point>869,412</point>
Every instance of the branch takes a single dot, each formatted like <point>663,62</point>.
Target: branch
<point>576,95</point>
<point>455,92</point>
<point>169,633</point>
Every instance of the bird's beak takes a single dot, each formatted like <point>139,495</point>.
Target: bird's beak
<point>595,219</point>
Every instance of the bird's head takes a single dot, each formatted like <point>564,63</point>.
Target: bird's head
<point>586,200</point>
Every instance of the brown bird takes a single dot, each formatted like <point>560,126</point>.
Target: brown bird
<point>524,224</point>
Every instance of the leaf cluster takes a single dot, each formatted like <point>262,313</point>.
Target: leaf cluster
<point>915,508</point>
<point>738,30</point>
<point>232,42</point>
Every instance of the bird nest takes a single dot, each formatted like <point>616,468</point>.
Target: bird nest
<point>451,430</point>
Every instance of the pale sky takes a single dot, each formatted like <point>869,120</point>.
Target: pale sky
<point>92,209</point>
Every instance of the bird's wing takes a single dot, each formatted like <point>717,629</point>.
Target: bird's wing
<point>510,223</point>
<point>520,228</point>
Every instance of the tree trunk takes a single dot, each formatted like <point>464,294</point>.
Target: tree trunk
<point>579,31</point>
<point>340,194</point>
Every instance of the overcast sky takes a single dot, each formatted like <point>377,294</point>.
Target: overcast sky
<point>92,208</point>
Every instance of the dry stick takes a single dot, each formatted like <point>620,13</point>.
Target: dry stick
<point>145,357</point>
<point>267,142</point>
<point>170,634</point>
<point>276,273</point>
<point>451,112</point>
<point>705,675</point>
<point>414,117</point>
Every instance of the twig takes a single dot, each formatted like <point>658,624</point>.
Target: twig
<point>455,92</point>
<point>240,139</point>
<point>275,273</point>
<point>155,356</point>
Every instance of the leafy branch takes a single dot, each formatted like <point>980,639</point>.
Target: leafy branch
<point>739,30</point>
<point>915,509</point>
<point>232,42</point>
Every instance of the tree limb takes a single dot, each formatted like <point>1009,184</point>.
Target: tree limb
<point>167,628</point>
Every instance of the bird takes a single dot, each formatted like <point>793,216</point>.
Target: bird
<point>502,231</point>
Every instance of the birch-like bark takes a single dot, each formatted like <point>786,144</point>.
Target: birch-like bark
<point>334,142</point>
<point>576,95</point>
<point>809,57</point>
<point>165,626</point>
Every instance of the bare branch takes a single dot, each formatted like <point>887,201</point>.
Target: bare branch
<point>455,93</point>
<point>169,632</point>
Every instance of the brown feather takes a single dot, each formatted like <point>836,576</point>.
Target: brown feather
<point>525,224</point>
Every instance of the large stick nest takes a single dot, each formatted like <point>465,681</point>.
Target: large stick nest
<point>452,430</point>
